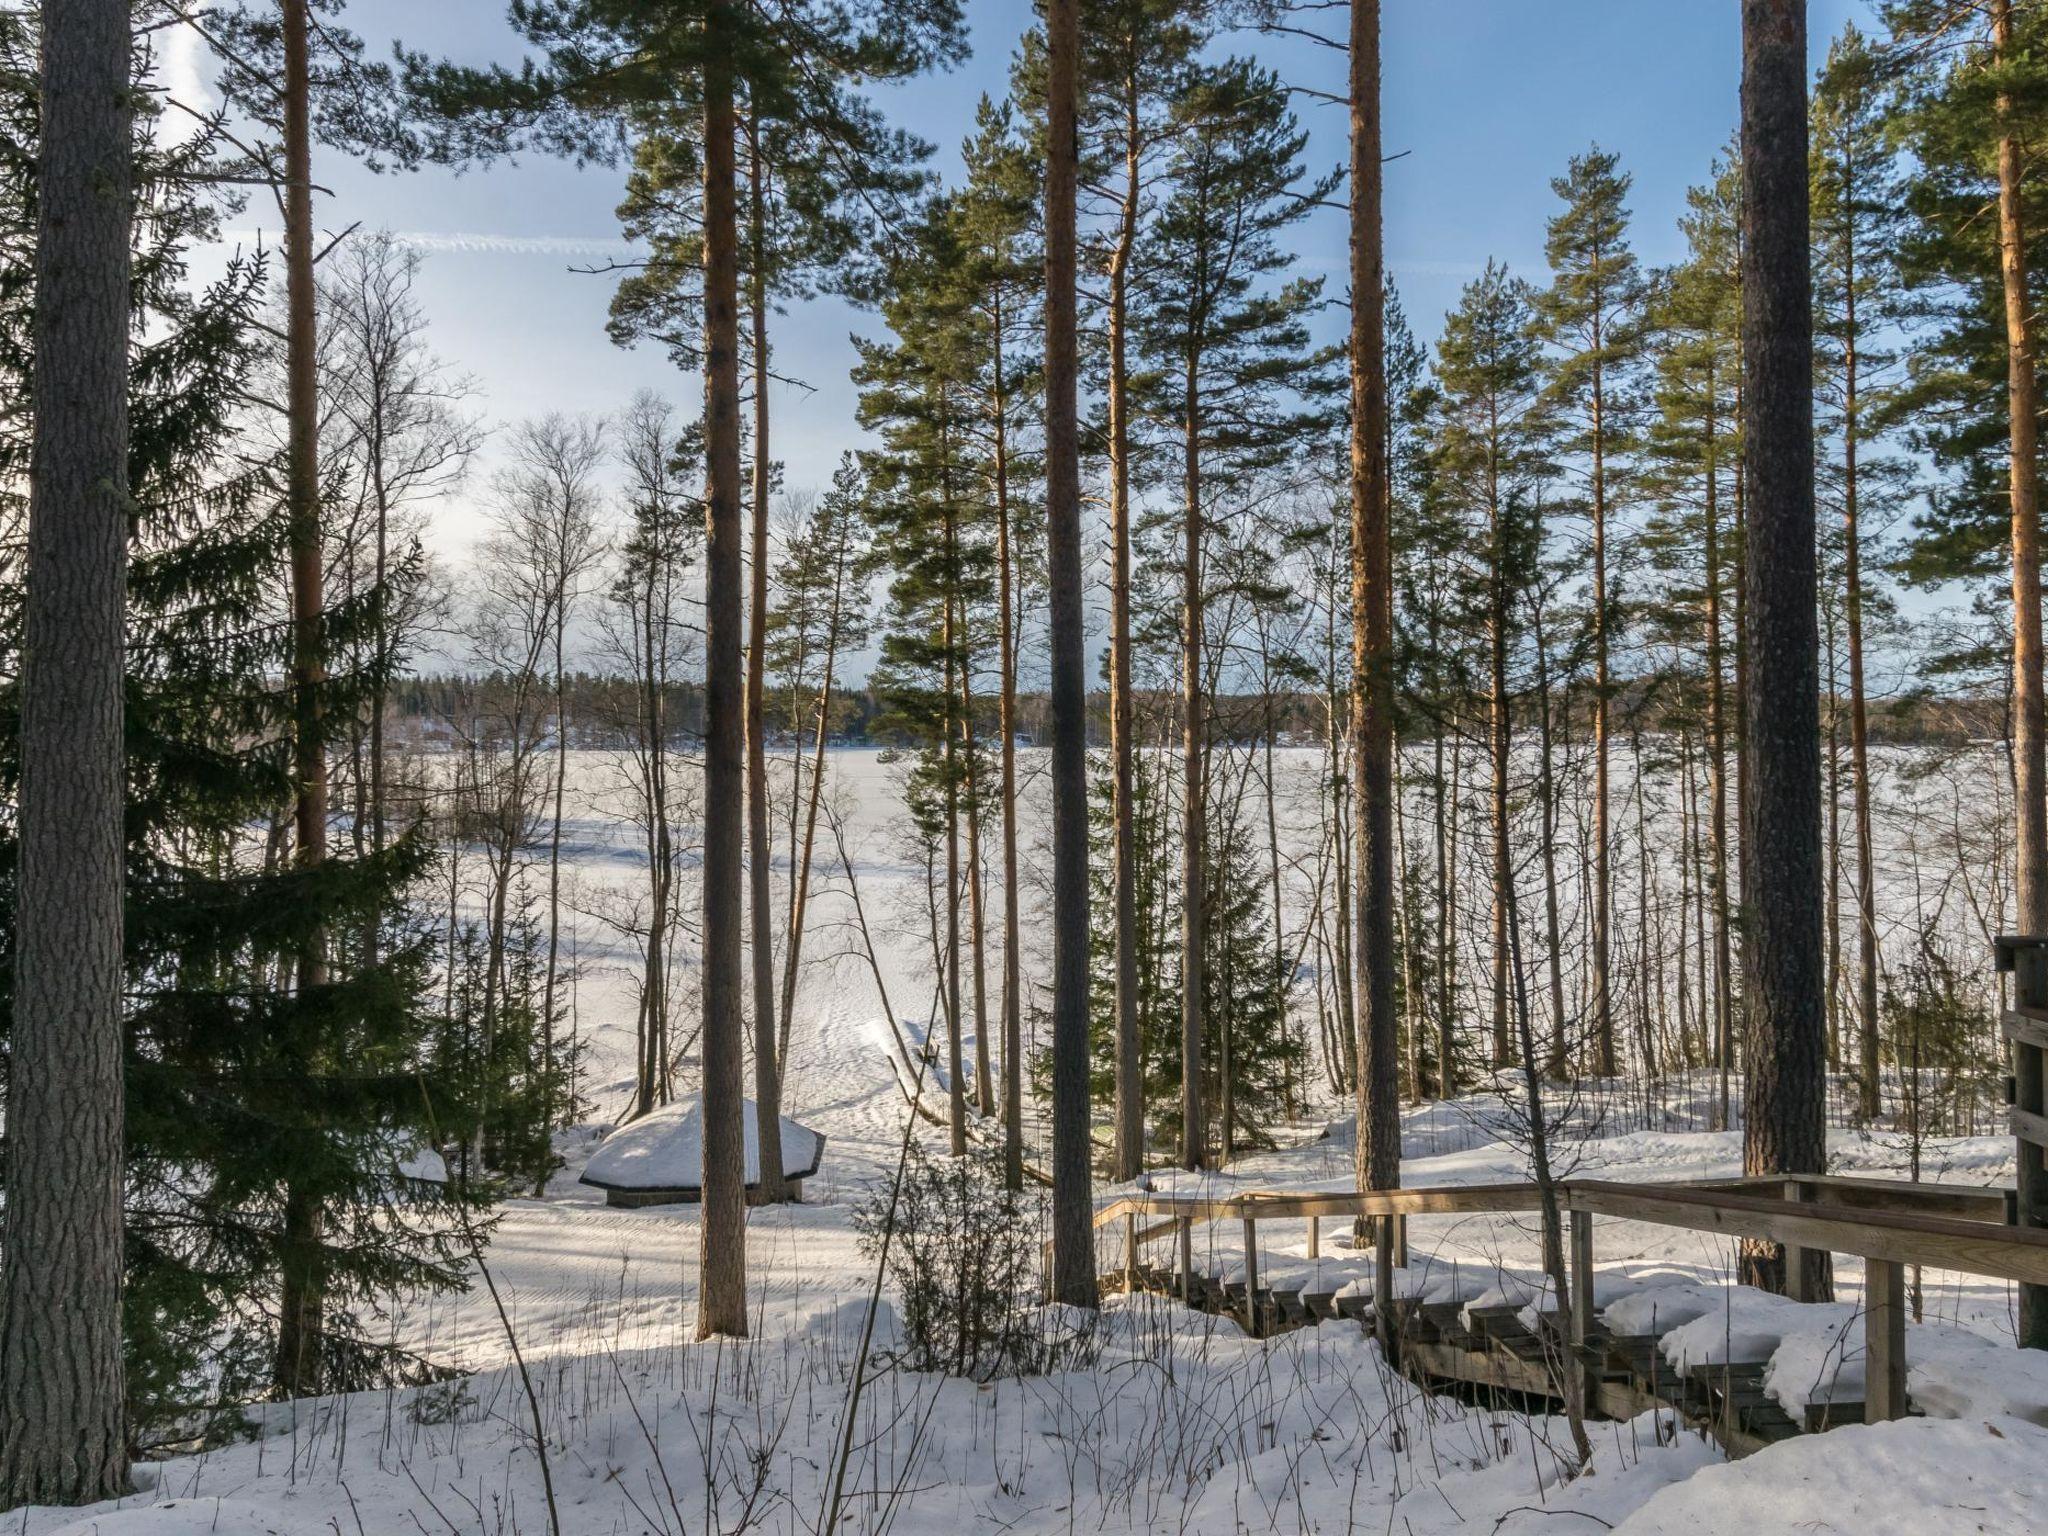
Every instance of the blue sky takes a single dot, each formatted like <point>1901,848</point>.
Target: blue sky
<point>1487,98</point>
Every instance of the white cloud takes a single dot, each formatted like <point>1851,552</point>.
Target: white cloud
<point>182,71</point>
<point>470,243</point>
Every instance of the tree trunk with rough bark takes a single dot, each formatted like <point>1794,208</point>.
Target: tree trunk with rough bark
<point>1073,1235</point>
<point>1378,1150</point>
<point>63,1431</point>
<point>722,1297</point>
<point>1194,868</point>
<point>2030,727</point>
<point>1785,1064</point>
<point>1129,1156</point>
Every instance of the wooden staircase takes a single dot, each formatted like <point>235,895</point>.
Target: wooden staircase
<point>1487,1349</point>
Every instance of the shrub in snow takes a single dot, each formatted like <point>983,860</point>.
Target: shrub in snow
<point>962,1256</point>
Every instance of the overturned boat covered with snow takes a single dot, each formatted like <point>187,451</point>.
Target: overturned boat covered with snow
<point>659,1158</point>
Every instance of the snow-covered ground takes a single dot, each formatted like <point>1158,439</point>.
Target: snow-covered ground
<point>1154,1420</point>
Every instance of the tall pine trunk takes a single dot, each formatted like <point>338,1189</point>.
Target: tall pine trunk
<point>1130,1071</point>
<point>1194,788</point>
<point>1784,1125</point>
<point>767,1068</point>
<point>552,975</point>
<point>1722,1008</point>
<point>1859,715</point>
<point>722,1299</point>
<point>1378,1140</point>
<point>1606,1061</point>
<point>1557,1063</point>
<point>302,1304</point>
<point>956,1077</point>
<point>977,917</point>
<point>800,883</point>
<point>1499,737</point>
<point>63,1435</point>
<point>1006,643</point>
<point>2030,728</point>
<point>1073,1236</point>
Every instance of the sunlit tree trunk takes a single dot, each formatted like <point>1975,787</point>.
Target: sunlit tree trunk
<point>1194,788</point>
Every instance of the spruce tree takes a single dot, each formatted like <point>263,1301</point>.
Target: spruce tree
<point>929,486</point>
<point>239,1092</point>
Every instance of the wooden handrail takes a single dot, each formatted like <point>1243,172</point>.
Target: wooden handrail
<point>1973,1202</point>
<point>1968,1244</point>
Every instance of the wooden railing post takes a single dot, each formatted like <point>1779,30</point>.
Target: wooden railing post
<point>1187,1261</point>
<point>2025,1026</point>
<point>1884,1341</point>
<point>1251,1276</point>
<point>1582,1276</point>
<point>1383,1281</point>
<point>1795,1256</point>
<point>1131,1253</point>
<point>1315,1237</point>
<point>1400,1241</point>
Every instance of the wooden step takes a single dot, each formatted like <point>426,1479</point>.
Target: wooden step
<point>1822,1416</point>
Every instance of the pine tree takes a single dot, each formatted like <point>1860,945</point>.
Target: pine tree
<point>1972,99</point>
<point>1591,315</point>
<point>809,209</point>
<point>1136,55</point>
<point>994,214</point>
<point>686,62</point>
<point>1435,612</point>
<point>1856,228</point>
<point>1491,462</point>
<point>1237,371</point>
<point>1691,457</point>
<point>822,579</point>
<point>930,502</point>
